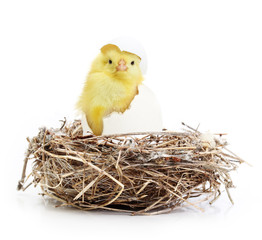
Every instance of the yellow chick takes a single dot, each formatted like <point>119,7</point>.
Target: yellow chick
<point>111,85</point>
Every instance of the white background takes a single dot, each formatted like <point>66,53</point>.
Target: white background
<point>205,66</point>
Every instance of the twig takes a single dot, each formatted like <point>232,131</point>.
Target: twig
<point>21,182</point>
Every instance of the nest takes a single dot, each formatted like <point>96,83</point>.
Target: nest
<point>138,173</point>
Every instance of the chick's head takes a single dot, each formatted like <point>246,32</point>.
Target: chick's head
<point>120,64</point>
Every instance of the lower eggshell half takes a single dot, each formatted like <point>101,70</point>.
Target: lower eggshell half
<point>144,115</point>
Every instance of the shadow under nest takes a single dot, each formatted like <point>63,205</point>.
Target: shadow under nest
<point>138,173</point>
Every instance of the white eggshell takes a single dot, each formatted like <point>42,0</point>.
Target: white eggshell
<point>208,139</point>
<point>143,115</point>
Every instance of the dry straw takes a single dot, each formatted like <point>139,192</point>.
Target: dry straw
<point>139,173</point>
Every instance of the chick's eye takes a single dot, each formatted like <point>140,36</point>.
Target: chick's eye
<point>133,62</point>
<point>110,61</point>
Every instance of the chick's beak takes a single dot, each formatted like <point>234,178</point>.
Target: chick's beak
<point>121,65</point>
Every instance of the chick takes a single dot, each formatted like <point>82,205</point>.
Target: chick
<point>111,85</point>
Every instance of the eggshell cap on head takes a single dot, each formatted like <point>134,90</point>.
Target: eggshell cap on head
<point>132,45</point>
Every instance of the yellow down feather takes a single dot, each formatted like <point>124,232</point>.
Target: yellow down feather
<point>107,89</point>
